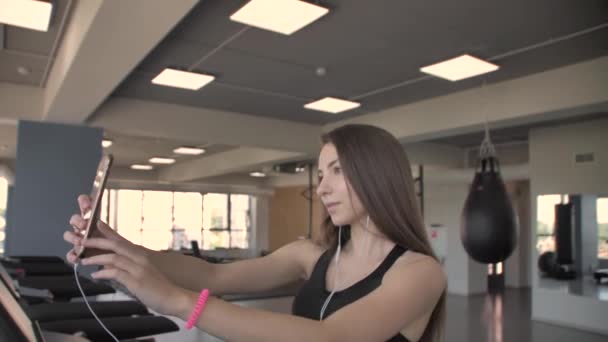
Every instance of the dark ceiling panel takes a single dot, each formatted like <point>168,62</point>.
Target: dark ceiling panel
<point>271,75</point>
<point>365,46</point>
<point>217,96</point>
<point>553,56</point>
<point>175,53</point>
<point>209,23</point>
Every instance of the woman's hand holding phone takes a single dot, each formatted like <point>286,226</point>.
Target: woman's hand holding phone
<point>79,223</point>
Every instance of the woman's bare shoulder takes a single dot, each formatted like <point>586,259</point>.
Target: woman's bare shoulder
<point>413,262</point>
<point>308,252</point>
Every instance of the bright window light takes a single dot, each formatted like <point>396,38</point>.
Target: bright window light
<point>182,79</point>
<point>194,151</point>
<point>158,160</point>
<point>284,16</point>
<point>460,68</point>
<point>30,14</point>
<point>332,105</point>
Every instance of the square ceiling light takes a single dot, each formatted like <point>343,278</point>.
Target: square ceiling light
<point>182,79</point>
<point>141,167</point>
<point>187,150</point>
<point>158,160</point>
<point>332,105</point>
<point>284,16</point>
<point>459,68</point>
<point>30,14</point>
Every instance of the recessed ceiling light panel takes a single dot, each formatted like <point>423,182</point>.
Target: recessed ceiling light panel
<point>193,151</point>
<point>332,105</point>
<point>159,160</point>
<point>284,16</point>
<point>30,14</point>
<point>141,167</point>
<point>459,68</point>
<point>182,79</point>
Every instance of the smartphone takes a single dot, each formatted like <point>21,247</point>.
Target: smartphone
<point>92,214</point>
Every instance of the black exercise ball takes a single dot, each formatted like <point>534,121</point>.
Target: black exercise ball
<point>547,262</point>
<point>489,224</point>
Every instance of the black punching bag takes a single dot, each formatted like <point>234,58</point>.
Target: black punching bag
<point>489,223</point>
<point>563,233</point>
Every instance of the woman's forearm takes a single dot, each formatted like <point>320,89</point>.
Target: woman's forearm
<point>185,271</point>
<point>233,322</point>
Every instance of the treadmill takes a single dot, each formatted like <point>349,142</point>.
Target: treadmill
<point>126,319</point>
<point>16,326</point>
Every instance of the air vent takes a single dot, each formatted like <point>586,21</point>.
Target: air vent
<point>584,158</point>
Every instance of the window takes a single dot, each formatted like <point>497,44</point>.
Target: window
<point>218,231</point>
<point>3,200</point>
<point>602,227</point>
<point>187,218</point>
<point>545,221</point>
<point>170,220</point>
<point>129,215</point>
<point>157,220</point>
<point>239,221</point>
<point>107,213</point>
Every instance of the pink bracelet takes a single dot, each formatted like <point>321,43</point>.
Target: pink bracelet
<point>198,309</point>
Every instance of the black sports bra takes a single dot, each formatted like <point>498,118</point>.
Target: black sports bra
<point>313,293</point>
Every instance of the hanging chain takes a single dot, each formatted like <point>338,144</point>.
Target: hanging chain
<point>487,148</point>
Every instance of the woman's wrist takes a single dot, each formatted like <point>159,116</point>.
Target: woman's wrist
<point>185,302</point>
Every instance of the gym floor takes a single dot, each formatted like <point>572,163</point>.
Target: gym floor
<point>469,319</point>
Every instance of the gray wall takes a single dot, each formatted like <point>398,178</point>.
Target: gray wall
<point>585,234</point>
<point>553,170</point>
<point>54,164</point>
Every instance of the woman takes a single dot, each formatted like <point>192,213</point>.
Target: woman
<point>373,277</point>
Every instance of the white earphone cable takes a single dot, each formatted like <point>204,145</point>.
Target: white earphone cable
<point>335,275</point>
<point>89,306</point>
<point>337,268</point>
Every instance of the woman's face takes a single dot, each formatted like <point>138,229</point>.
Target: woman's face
<point>341,202</point>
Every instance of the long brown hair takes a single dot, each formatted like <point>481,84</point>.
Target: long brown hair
<point>378,170</point>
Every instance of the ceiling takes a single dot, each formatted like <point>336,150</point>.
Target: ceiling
<point>26,56</point>
<point>512,134</point>
<point>128,150</point>
<point>364,47</point>
<point>99,66</point>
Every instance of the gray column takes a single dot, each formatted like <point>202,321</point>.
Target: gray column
<point>585,233</point>
<point>55,163</point>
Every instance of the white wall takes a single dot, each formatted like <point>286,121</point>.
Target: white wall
<point>443,203</point>
<point>552,152</point>
<point>517,265</point>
